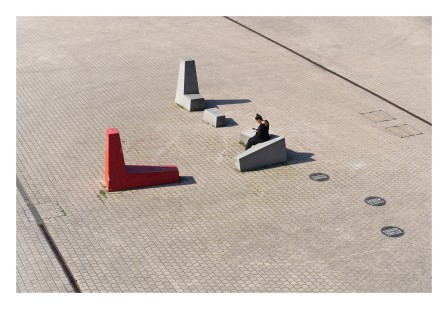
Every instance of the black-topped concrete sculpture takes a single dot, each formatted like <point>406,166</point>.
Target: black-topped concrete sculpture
<point>187,93</point>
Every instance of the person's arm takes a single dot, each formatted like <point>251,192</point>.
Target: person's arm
<point>259,130</point>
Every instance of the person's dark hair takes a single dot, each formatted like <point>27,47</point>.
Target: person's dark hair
<point>258,117</point>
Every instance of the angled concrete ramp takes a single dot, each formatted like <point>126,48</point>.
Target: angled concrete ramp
<point>262,155</point>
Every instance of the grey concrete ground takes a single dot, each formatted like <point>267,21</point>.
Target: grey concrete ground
<point>273,230</point>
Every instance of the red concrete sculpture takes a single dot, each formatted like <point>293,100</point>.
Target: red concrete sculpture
<point>119,176</point>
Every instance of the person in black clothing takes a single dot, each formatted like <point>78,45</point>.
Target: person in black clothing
<point>262,134</point>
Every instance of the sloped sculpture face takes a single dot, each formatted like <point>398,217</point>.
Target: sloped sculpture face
<point>187,93</point>
<point>264,154</point>
<point>190,78</point>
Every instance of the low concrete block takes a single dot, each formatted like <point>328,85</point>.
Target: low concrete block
<point>263,154</point>
<point>246,134</point>
<point>187,93</point>
<point>215,117</point>
<point>192,102</point>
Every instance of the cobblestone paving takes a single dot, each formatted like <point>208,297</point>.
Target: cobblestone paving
<point>37,270</point>
<point>272,230</point>
<point>388,55</point>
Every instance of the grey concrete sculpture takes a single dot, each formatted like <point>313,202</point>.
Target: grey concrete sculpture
<point>187,93</point>
<point>263,154</point>
<point>246,134</point>
<point>215,117</point>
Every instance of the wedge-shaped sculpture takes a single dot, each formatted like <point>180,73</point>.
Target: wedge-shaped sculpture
<point>187,93</point>
<point>215,117</point>
<point>119,176</point>
<point>261,155</point>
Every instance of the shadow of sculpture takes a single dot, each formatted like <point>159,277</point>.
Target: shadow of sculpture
<point>295,157</point>
<point>187,180</point>
<point>231,122</point>
<point>184,181</point>
<point>215,103</point>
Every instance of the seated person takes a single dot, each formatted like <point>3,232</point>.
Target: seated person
<point>262,134</point>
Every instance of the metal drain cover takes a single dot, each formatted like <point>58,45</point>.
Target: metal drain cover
<point>375,201</point>
<point>319,177</point>
<point>392,231</point>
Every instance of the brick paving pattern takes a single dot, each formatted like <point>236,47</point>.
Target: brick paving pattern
<point>388,55</point>
<point>272,230</point>
<point>37,270</point>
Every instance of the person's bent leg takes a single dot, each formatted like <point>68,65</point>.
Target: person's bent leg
<point>251,142</point>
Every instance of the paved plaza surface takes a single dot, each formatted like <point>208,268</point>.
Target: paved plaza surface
<point>220,230</point>
<point>37,268</point>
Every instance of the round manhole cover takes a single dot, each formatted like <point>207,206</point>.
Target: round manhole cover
<point>375,201</point>
<point>392,231</point>
<point>319,177</point>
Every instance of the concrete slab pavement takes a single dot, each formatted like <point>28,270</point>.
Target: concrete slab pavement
<point>273,230</point>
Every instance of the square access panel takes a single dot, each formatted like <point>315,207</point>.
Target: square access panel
<point>378,116</point>
<point>403,130</point>
<point>46,210</point>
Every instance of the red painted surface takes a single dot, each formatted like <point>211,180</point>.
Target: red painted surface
<point>119,176</point>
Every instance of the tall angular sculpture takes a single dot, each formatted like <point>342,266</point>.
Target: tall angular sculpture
<point>187,93</point>
<point>119,176</point>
